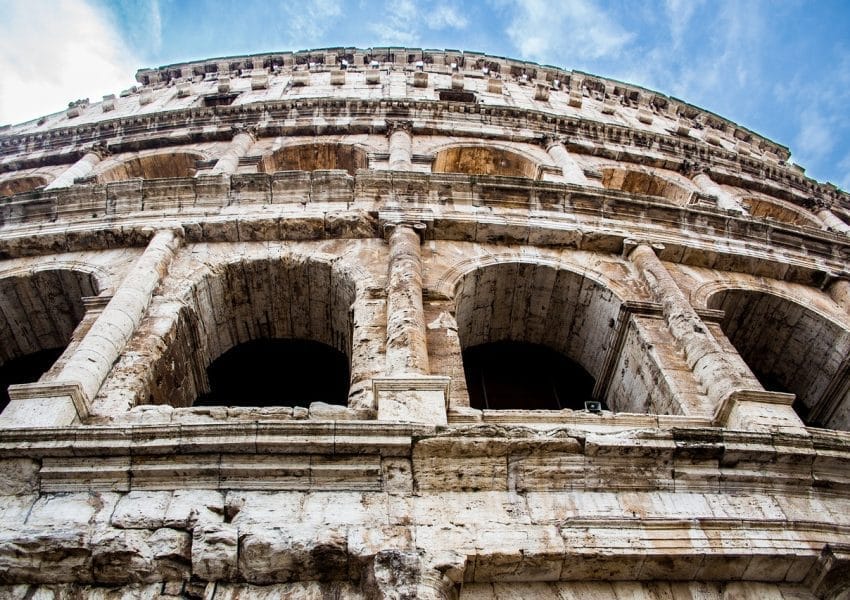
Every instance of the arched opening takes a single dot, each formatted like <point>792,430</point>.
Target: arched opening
<point>259,333</point>
<point>504,375</point>
<point>647,184</point>
<point>791,348</point>
<point>533,336</point>
<point>19,185</point>
<point>273,372</point>
<point>483,160</point>
<point>315,157</point>
<point>152,166</point>
<point>38,315</point>
<point>768,209</point>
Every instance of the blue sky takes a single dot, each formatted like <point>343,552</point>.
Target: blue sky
<point>779,68</point>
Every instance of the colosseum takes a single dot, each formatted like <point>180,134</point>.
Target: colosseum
<point>398,323</point>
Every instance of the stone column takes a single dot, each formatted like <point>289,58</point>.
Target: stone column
<point>839,290</point>
<point>229,160</point>
<point>81,168</point>
<point>407,392</point>
<point>68,397</point>
<point>821,208</point>
<point>406,349</point>
<point>735,401</point>
<point>571,170</point>
<point>699,174</point>
<point>401,145</point>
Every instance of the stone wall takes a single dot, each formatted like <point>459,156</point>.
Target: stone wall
<point>402,208</point>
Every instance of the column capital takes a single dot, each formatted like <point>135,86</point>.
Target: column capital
<point>550,139</point>
<point>394,125</point>
<point>251,130</point>
<point>629,245</point>
<point>818,203</point>
<point>100,150</point>
<point>691,169</point>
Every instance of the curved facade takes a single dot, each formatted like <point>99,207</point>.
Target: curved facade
<point>395,323</point>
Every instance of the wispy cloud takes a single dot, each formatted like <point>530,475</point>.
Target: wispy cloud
<point>679,14</point>
<point>52,53</point>
<point>308,22</point>
<point>579,29</point>
<point>815,136</point>
<point>407,23</point>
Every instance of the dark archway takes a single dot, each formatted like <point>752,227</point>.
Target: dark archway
<point>647,184</point>
<point>554,322</point>
<point>254,319</point>
<point>791,348</point>
<point>38,314</point>
<point>518,375</point>
<point>152,166</point>
<point>315,157</point>
<point>768,209</point>
<point>19,185</point>
<point>483,160</point>
<point>277,372</point>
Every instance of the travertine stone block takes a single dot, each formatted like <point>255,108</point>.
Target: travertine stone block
<point>214,551</point>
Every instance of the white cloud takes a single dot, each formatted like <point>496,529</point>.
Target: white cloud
<point>306,22</point>
<point>403,22</point>
<point>680,13</point>
<point>815,137</point>
<point>55,52</point>
<point>844,165</point>
<point>443,16</point>
<point>578,29</point>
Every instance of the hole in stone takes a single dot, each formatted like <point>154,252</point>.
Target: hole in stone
<point>277,372</point>
<point>518,375</point>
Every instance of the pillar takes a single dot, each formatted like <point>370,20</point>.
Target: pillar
<point>821,208</point>
<point>401,145</point>
<point>67,397</point>
<point>839,291</point>
<point>229,160</point>
<point>81,168</point>
<point>571,170</point>
<point>406,349</point>
<point>737,404</point>
<point>407,392</point>
<point>700,176</point>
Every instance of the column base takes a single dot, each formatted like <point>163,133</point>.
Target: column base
<point>412,398</point>
<point>48,404</point>
<point>759,410</point>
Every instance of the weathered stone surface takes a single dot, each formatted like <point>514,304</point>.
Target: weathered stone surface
<point>401,208</point>
<point>214,551</point>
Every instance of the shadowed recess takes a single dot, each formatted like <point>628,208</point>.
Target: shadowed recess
<point>516,375</point>
<point>154,166</point>
<point>767,209</point>
<point>262,306</point>
<point>315,157</point>
<point>638,182</point>
<point>19,185</point>
<point>790,348</point>
<point>277,373</point>
<point>25,369</point>
<point>481,160</point>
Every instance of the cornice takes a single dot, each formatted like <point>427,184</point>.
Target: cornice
<point>274,118</point>
<point>294,206</point>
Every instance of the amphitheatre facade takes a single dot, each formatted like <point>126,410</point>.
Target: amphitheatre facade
<point>394,323</point>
